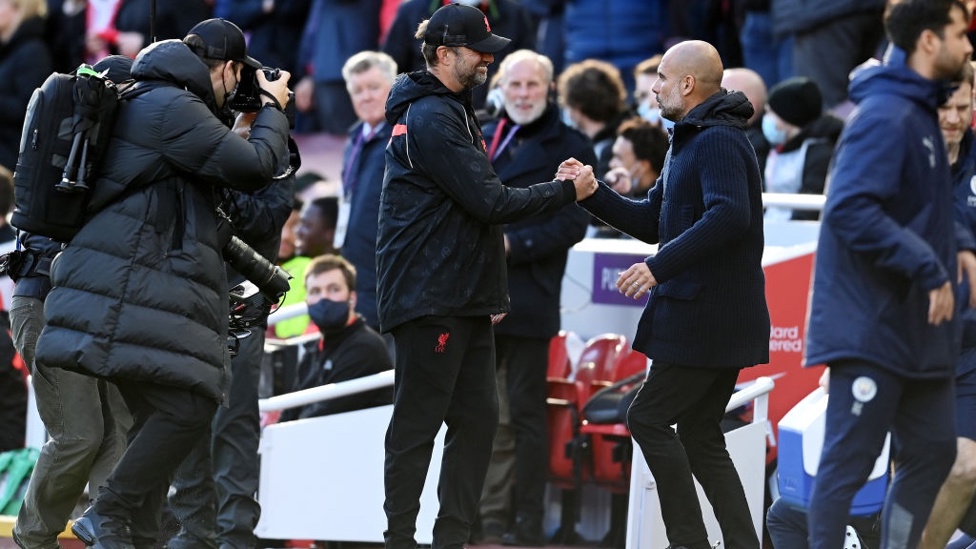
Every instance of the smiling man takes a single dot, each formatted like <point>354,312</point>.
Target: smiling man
<point>441,274</point>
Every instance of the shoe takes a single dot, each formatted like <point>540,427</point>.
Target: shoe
<point>526,533</point>
<point>102,532</point>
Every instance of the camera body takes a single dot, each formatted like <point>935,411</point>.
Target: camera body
<point>247,98</point>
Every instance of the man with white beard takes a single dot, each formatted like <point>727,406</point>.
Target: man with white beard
<point>526,145</point>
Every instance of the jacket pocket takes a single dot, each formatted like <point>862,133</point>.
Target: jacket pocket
<point>685,290</point>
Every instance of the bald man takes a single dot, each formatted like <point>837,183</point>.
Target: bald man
<point>750,83</point>
<point>706,318</point>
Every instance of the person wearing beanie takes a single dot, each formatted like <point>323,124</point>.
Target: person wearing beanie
<point>802,137</point>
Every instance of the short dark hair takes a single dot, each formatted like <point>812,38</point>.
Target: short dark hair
<point>327,262</point>
<point>650,141</point>
<point>905,20</point>
<point>594,88</point>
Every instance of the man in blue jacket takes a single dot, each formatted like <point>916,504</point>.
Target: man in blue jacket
<point>707,317</point>
<point>441,274</point>
<point>881,313</point>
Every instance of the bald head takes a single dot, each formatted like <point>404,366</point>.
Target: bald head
<point>690,72</point>
<point>698,59</point>
<point>750,83</point>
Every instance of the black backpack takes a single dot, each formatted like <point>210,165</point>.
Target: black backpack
<point>66,132</point>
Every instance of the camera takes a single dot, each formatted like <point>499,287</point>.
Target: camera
<point>247,98</point>
<point>269,278</point>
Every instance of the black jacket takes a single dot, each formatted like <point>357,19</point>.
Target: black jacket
<point>140,293</point>
<point>439,249</point>
<point>351,352</point>
<point>24,64</point>
<point>538,246</point>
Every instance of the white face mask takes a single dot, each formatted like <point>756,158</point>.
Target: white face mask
<point>468,2</point>
<point>775,136</point>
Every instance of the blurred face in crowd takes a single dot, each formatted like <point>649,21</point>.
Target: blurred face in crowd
<point>956,114</point>
<point>368,91</point>
<point>525,90</point>
<point>330,285</point>
<point>313,237</point>
<point>624,157</point>
<point>643,95</point>
<point>8,16</point>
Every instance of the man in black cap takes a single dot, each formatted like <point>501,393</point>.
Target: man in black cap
<point>442,275</point>
<point>153,315</point>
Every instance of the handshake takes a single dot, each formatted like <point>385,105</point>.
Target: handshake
<point>581,176</point>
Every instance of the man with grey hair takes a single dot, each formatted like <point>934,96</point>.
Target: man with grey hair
<point>526,145</point>
<point>369,76</point>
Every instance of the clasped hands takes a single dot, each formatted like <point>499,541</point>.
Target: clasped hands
<point>581,176</point>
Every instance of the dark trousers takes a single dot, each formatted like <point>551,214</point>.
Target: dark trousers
<point>865,402</point>
<point>214,488</point>
<point>87,423</point>
<point>525,359</point>
<point>694,399</point>
<point>445,374</point>
<point>167,423</point>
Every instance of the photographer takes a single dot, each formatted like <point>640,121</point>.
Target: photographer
<point>140,294</point>
<point>213,492</point>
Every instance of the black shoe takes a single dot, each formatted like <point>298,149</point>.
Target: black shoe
<point>102,532</point>
<point>526,533</point>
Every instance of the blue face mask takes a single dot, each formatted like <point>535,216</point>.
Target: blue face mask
<point>653,115</point>
<point>329,315</point>
<point>774,135</point>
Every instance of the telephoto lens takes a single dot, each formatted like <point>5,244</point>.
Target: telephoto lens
<point>268,277</point>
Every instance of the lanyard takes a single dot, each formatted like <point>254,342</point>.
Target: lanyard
<point>495,148</point>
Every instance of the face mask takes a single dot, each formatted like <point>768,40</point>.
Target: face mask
<point>774,135</point>
<point>653,115</point>
<point>329,315</point>
<point>468,2</point>
<point>564,116</point>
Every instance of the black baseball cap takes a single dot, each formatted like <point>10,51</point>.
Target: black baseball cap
<point>460,25</point>
<point>222,40</point>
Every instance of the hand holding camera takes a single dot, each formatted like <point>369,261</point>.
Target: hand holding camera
<point>274,86</point>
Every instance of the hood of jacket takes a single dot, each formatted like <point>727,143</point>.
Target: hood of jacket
<point>172,61</point>
<point>895,77</point>
<point>411,86</point>
<point>723,108</point>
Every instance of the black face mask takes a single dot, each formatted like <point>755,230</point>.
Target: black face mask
<point>329,315</point>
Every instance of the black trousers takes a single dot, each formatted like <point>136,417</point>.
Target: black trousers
<point>526,361</point>
<point>694,399</point>
<point>445,374</point>
<point>167,423</point>
<point>214,488</point>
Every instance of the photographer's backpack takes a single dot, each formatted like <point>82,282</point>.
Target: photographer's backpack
<point>67,128</point>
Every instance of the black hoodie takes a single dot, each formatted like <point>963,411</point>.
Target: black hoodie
<point>439,248</point>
